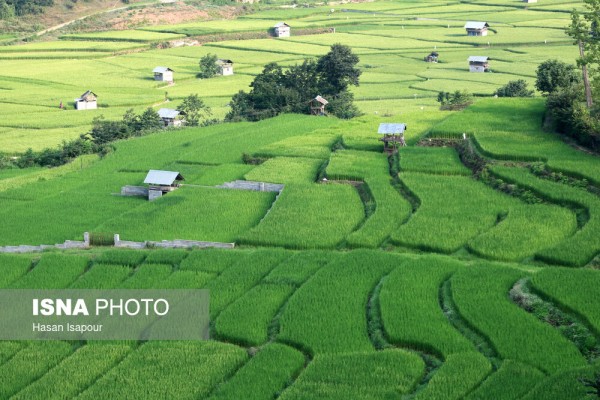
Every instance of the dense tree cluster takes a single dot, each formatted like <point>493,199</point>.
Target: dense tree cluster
<point>516,88</point>
<point>208,66</point>
<point>10,8</point>
<point>277,90</point>
<point>454,101</point>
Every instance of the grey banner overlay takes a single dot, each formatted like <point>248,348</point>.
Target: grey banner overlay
<point>86,314</point>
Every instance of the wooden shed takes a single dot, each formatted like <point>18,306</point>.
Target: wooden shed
<point>161,182</point>
<point>393,136</point>
<point>476,28</point>
<point>478,64</point>
<point>317,106</point>
<point>281,29</point>
<point>163,74</point>
<point>87,101</point>
<point>171,117</point>
<point>432,57</point>
<point>225,66</point>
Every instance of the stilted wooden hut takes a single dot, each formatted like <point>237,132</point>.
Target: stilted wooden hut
<point>479,64</point>
<point>317,106</point>
<point>476,28</point>
<point>171,117</point>
<point>432,57</point>
<point>393,136</point>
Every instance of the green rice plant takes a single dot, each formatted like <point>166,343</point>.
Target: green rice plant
<point>187,280</point>
<point>460,373</point>
<point>76,372</point>
<point>218,175</point>
<point>511,381</point>
<point>30,364</point>
<point>565,385</point>
<point>102,276</point>
<point>213,260</point>
<point>8,349</point>
<point>357,375</point>
<point>126,35</point>
<point>391,209</point>
<point>264,376</point>
<point>348,283</point>
<point>236,280</point>
<point>300,266</point>
<point>286,170</point>
<point>514,333</point>
<point>313,146</point>
<point>411,311</point>
<point>433,160</point>
<point>166,256</point>
<point>148,276</point>
<point>558,285</point>
<point>247,320</point>
<point>130,258</point>
<point>53,271</point>
<point>317,216</point>
<point>155,371</point>
<point>225,215</point>
<point>12,267</point>
<point>578,249</point>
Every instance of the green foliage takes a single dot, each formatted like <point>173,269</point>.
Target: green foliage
<point>194,109</point>
<point>53,271</point>
<point>511,381</point>
<point>103,276</point>
<point>553,75</point>
<point>208,66</point>
<point>516,88</point>
<point>130,258</point>
<point>12,267</point>
<point>454,101</point>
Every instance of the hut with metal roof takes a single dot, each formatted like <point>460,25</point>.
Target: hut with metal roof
<point>171,117</point>
<point>281,29</point>
<point>87,101</point>
<point>478,63</point>
<point>163,74</point>
<point>317,106</point>
<point>476,28</point>
<point>225,66</point>
<point>393,136</point>
<point>161,182</point>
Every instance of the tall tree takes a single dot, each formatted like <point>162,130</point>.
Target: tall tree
<point>194,108</point>
<point>338,69</point>
<point>208,66</point>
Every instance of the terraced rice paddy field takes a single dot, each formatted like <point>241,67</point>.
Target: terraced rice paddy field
<point>400,278</point>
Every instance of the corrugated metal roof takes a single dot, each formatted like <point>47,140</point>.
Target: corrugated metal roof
<point>162,70</point>
<point>476,25</point>
<point>280,24</point>
<point>222,61</point>
<point>168,113</point>
<point>157,177</point>
<point>389,129</point>
<point>85,95</point>
<point>321,100</point>
<point>478,59</point>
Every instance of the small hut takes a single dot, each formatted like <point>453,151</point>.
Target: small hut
<point>530,1</point>
<point>171,117</point>
<point>161,182</point>
<point>317,106</point>
<point>475,28</point>
<point>225,67</point>
<point>87,101</point>
<point>432,57</point>
<point>478,64</point>
<point>163,74</point>
<point>393,136</point>
<point>281,29</point>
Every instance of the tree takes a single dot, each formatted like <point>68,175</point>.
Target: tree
<point>554,74</point>
<point>208,66</point>
<point>149,120</point>
<point>194,108</point>
<point>6,10</point>
<point>516,88</point>
<point>337,70</point>
<point>584,39</point>
<point>454,101</point>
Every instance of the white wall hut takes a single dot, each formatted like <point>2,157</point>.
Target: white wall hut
<point>163,74</point>
<point>171,117</point>
<point>478,63</point>
<point>281,29</point>
<point>225,66</point>
<point>87,101</point>
<point>161,182</point>
<point>530,1</point>
<point>393,136</point>
<point>476,28</point>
